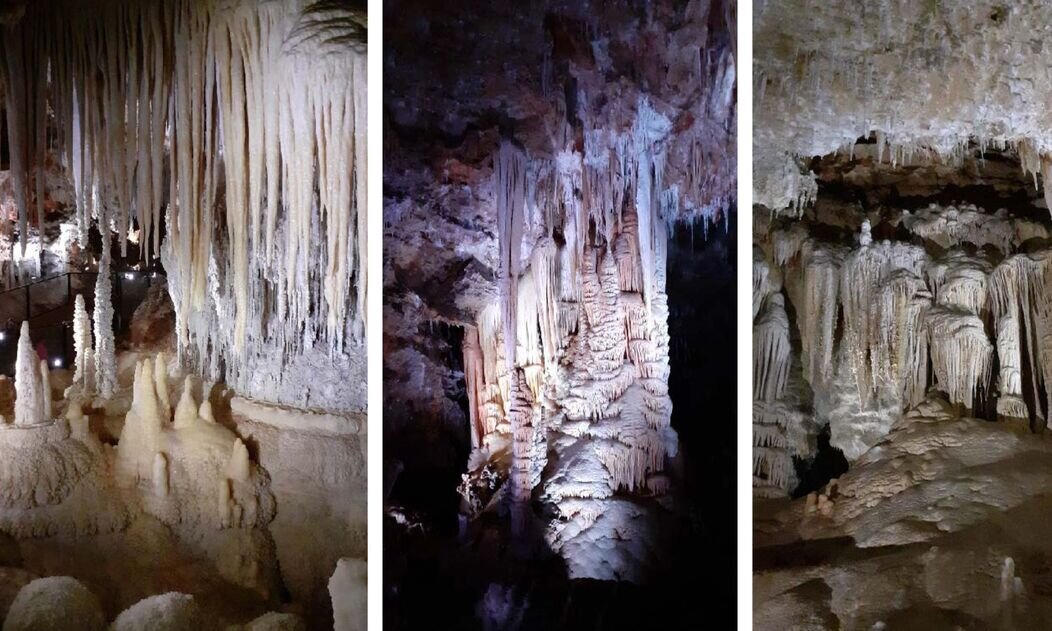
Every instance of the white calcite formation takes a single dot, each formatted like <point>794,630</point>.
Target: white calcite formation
<point>179,468</point>
<point>104,353</point>
<point>198,462</point>
<point>572,369</point>
<point>930,203</point>
<point>84,364</point>
<point>53,603</point>
<point>30,394</point>
<point>348,590</point>
<point>239,129</point>
<point>283,295</point>
<point>545,236</point>
<point>877,324</point>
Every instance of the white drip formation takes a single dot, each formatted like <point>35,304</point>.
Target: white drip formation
<point>240,128</point>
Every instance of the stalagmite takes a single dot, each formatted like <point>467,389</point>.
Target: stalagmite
<point>104,352</point>
<point>205,412</point>
<point>29,398</point>
<point>238,467</point>
<point>84,364</point>
<point>186,409</point>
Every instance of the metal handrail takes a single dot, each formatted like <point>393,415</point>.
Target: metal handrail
<point>64,326</point>
<point>45,280</point>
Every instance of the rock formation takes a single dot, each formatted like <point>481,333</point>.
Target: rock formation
<point>905,235</point>
<point>537,167</point>
<point>221,145</point>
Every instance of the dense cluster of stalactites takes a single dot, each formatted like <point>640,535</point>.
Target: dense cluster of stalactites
<point>894,321</point>
<point>240,129</point>
<point>576,348</point>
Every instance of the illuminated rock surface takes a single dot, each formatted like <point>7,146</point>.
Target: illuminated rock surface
<point>537,169</point>
<point>905,232</point>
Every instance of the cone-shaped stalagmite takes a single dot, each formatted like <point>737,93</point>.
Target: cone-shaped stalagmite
<point>29,392</point>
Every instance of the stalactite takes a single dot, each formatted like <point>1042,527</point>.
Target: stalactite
<point>626,251</point>
<point>575,218</point>
<point>1017,289</point>
<point>474,380</point>
<point>267,99</point>
<point>961,354</point>
<point>650,127</point>
<point>17,77</point>
<point>545,267</point>
<point>819,313</point>
<point>1046,178</point>
<point>861,275</point>
<point>899,348</point>
<point>772,350</point>
<point>1010,403</point>
<point>762,281</point>
<point>510,175</point>
<point>528,351</point>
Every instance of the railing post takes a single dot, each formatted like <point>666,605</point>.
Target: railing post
<point>28,307</point>
<point>119,320</point>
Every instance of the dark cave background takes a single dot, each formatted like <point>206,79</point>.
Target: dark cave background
<point>703,328</point>
<point>439,576</point>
